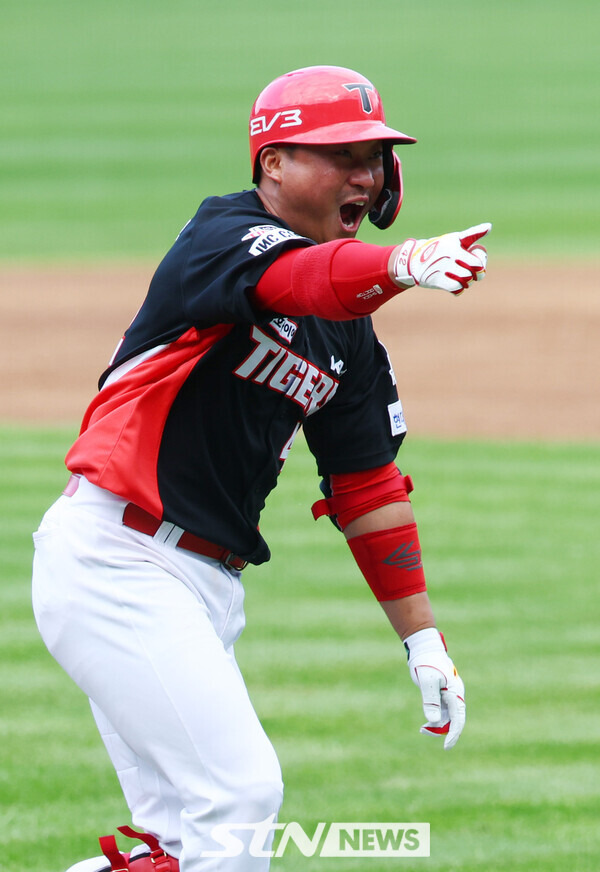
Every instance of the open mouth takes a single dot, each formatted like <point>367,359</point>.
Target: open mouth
<point>351,215</point>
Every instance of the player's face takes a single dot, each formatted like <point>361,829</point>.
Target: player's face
<point>325,191</point>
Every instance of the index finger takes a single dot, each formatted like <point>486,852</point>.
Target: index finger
<point>472,234</point>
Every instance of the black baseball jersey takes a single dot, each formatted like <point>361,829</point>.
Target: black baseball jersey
<point>199,406</point>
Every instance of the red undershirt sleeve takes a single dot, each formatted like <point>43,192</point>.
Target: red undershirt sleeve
<point>338,280</point>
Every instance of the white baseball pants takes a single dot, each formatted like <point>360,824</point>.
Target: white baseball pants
<point>147,632</point>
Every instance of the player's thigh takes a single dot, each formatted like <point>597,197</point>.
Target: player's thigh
<point>141,642</point>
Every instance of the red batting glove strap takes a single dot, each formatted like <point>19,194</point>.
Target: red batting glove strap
<point>390,561</point>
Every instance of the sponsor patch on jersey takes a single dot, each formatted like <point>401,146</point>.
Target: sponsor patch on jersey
<point>284,327</point>
<point>397,422</point>
<point>266,236</point>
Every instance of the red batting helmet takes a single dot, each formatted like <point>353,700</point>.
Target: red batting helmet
<point>325,105</point>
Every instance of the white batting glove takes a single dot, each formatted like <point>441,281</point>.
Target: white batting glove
<point>449,262</point>
<point>440,684</point>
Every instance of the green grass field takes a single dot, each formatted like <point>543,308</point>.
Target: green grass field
<point>511,551</point>
<point>119,117</point>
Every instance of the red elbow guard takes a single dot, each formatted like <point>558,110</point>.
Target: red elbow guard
<point>357,493</point>
<point>390,561</point>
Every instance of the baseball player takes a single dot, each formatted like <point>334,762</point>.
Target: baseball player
<point>256,323</point>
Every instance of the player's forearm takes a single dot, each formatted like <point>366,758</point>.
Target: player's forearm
<point>409,614</point>
<point>373,509</point>
<point>406,614</point>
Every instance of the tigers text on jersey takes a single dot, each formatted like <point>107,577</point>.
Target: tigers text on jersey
<point>202,399</point>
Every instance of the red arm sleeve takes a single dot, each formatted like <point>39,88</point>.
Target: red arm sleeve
<point>337,280</point>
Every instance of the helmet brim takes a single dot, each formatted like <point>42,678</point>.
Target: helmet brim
<point>333,134</point>
<point>352,131</point>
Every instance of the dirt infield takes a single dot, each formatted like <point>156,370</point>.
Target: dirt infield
<point>516,356</point>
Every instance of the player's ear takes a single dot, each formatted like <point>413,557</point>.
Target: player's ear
<point>270,163</point>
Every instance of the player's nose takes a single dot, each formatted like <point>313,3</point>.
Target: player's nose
<point>361,174</point>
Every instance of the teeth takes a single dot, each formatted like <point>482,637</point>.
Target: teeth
<point>350,213</point>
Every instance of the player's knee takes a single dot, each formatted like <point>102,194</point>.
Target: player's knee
<point>261,800</point>
<point>269,797</point>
